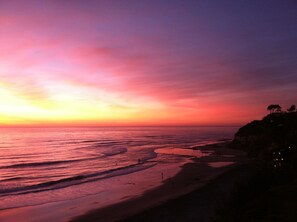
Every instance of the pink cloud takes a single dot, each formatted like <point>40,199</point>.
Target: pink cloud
<point>144,57</point>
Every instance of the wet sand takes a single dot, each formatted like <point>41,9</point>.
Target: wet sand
<point>193,193</point>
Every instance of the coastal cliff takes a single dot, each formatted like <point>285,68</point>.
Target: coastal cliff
<point>272,139</point>
<point>271,193</point>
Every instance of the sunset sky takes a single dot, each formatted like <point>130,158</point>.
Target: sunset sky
<point>145,62</point>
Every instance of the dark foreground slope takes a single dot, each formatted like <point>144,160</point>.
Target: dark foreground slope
<point>271,194</point>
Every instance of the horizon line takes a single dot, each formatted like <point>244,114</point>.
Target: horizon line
<point>102,126</point>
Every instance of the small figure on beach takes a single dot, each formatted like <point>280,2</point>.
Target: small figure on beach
<point>162,175</point>
<point>139,161</point>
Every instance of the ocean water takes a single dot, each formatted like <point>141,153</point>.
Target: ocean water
<point>40,165</point>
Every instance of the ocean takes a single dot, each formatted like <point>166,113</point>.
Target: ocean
<point>43,165</point>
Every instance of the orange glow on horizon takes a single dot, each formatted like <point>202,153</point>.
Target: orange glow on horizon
<point>71,104</point>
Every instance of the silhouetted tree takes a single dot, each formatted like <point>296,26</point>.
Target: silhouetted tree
<point>274,108</point>
<point>292,109</point>
<point>278,108</point>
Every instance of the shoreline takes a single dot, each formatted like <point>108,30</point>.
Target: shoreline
<point>193,177</point>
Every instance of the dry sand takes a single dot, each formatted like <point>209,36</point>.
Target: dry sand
<point>192,195</point>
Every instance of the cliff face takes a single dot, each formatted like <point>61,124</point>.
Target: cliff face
<point>274,134</point>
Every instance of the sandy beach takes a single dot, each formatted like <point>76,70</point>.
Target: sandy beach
<point>192,177</point>
<point>196,183</point>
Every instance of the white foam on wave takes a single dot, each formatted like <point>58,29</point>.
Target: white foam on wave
<point>115,151</point>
